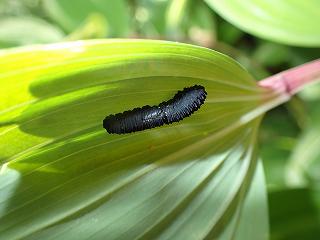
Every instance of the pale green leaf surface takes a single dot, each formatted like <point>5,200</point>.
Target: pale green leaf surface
<point>64,176</point>
<point>254,207</point>
<point>292,22</point>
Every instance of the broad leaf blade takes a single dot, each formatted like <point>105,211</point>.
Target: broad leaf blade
<point>291,22</point>
<point>65,176</point>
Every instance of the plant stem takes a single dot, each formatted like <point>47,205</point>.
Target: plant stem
<point>293,80</point>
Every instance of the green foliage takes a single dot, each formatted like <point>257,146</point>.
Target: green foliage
<point>63,177</point>
<point>294,214</point>
<point>13,31</point>
<point>293,22</point>
<point>304,164</point>
<point>64,13</point>
<point>277,141</point>
<point>196,175</point>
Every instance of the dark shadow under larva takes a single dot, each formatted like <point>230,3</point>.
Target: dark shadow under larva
<point>182,105</point>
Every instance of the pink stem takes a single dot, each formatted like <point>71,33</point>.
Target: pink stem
<point>291,81</point>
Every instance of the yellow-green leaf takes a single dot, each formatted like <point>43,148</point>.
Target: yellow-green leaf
<point>64,177</point>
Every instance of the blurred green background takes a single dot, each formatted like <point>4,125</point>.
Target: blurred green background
<point>289,137</point>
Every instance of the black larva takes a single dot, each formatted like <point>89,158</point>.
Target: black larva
<point>182,105</point>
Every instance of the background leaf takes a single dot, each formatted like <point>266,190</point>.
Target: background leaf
<point>27,30</point>
<point>64,176</point>
<point>115,12</point>
<point>291,22</point>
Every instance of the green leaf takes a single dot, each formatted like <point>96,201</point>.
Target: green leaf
<point>64,176</point>
<point>292,22</point>
<point>16,31</point>
<point>70,17</point>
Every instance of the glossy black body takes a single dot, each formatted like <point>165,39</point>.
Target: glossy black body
<point>182,105</point>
